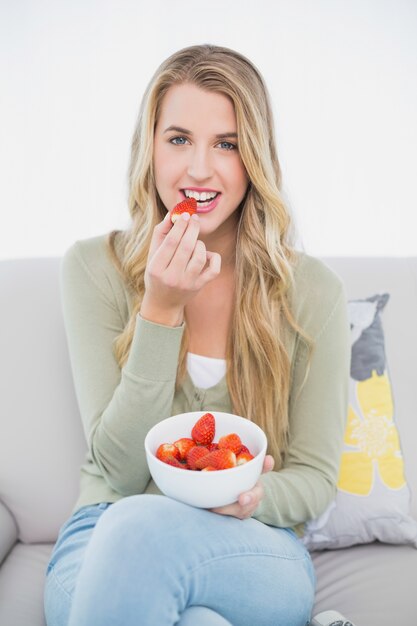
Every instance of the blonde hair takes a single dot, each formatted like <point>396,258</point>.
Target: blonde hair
<point>258,366</point>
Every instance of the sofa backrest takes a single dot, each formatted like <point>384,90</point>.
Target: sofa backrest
<point>42,443</point>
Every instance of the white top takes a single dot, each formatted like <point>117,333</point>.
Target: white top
<point>205,371</point>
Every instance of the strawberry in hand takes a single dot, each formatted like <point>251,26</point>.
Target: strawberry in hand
<point>189,205</point>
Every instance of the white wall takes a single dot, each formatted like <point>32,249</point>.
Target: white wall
<point>342,77</point>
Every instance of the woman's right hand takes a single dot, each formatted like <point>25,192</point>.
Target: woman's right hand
<point>175,269</point>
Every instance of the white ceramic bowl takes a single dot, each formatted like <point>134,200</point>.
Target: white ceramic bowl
<point>205,489</point>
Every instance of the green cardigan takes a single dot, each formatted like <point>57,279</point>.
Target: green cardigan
<point>119,406</point>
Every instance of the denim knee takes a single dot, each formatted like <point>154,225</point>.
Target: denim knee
<point>149,521</point>
<point>190,555</point>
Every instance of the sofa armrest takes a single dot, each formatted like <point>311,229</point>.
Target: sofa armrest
<point>8,531</point>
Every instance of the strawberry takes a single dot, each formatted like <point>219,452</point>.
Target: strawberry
<point>166,450</point>
<point>203,429</point>
<point>209,469</point>
<point>212,446</point>
<point>184,445</point>
<point>243,457</point>
<point>189,205</point>
<point>170,460</point>
<point>244,449</point>
<point>219,459</point>
<point>231,442</point>
<point>195,453</point>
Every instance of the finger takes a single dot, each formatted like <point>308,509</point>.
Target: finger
<point>186,246</point>
<point>213,270</point>
<point>166,223</point>
<point>159,233</point>
<point>163,228</point>
<point>171,241</point>
<point>269,463</point>
<point>197,261</point>
<point>248,501</point>
<point>230,509</point>
<point>255,495</point>
<point>243,509</point>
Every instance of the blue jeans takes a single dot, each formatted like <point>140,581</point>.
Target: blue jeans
<point>149,560</point>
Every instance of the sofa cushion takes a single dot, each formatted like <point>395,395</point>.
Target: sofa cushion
<point>22,580</point>
<point>373,497</point>
<point>371,584</point>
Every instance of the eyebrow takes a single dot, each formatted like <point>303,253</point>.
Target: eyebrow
<point>188,132</point>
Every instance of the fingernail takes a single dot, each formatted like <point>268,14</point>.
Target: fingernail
<point>186,216</point>
<point>246,499</point>
<point>195,217</point>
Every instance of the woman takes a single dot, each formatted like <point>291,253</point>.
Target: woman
<point>217,312</point>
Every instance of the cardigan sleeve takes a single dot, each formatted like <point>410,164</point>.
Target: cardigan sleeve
<point>306,484</point>
<point>117,405</point>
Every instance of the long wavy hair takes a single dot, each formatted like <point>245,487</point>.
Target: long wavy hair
<point>258,366</point>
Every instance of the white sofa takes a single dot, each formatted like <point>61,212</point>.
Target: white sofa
<point>42,444</point>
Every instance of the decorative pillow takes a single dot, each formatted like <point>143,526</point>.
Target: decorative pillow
<point>372,500</point>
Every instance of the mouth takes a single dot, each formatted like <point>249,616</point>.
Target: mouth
<point>207,205</point>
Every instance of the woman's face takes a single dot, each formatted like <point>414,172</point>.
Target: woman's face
<point>196,157</point>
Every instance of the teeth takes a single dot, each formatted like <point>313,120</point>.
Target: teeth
<point>200,197</point>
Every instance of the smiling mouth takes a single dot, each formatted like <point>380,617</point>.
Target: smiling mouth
<point>207,206</point>
<point>201,204</point>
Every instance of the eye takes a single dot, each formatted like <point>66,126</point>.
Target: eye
<point>177,144</point>
<point>229,144</point>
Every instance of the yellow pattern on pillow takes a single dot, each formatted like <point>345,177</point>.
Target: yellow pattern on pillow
<point>374,439</point>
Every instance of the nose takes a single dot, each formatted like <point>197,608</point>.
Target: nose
<point>200,165</point>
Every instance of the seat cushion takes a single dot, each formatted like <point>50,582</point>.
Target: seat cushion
<point>22,579</point>
<point>371,584</point>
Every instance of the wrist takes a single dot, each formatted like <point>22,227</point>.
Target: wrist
<point>166,317</point>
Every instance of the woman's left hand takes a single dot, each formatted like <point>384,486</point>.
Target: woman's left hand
<point>242,509</point>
